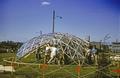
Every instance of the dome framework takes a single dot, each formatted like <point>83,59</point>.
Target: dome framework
<point>69,46</point>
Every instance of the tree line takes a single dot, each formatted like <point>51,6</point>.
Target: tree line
<point>9,46</point>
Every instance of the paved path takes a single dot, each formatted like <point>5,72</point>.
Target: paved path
<point>6,68</point>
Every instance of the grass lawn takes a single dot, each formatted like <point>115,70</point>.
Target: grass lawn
<point>51,71</point>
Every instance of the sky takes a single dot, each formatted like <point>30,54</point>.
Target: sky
<point>21,20</point>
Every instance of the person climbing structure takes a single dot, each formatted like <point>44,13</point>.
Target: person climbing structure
<point>53,52</point>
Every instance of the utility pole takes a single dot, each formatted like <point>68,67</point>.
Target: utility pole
<point>53,21</point>
<point>89,38</point>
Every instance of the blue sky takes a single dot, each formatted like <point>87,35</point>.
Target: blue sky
<point>21,20</point>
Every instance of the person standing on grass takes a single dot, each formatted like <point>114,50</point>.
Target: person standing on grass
<point>94,51</point>
<point>89,55</point>
<point>47,53</point>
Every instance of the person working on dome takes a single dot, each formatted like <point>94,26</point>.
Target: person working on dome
<point>53,52</point>
<point>95,56</point>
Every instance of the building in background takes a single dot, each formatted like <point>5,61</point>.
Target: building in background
<point>115,47</point>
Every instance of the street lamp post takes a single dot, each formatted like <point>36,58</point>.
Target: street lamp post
<point>53,28</point>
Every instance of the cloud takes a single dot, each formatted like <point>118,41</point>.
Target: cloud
<point>45,3</point>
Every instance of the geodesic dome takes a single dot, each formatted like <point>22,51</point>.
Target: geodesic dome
<point>68,44</point>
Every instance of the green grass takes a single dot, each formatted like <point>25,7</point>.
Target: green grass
<point>52,71</point>
<point>6,56</point>
<point>29,59</point>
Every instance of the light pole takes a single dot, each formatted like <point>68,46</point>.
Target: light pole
<point>100,44</point>
<point>53,28</point>
<point>53,22</point>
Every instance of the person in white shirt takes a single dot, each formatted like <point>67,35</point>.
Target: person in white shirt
<point>53,52</point>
